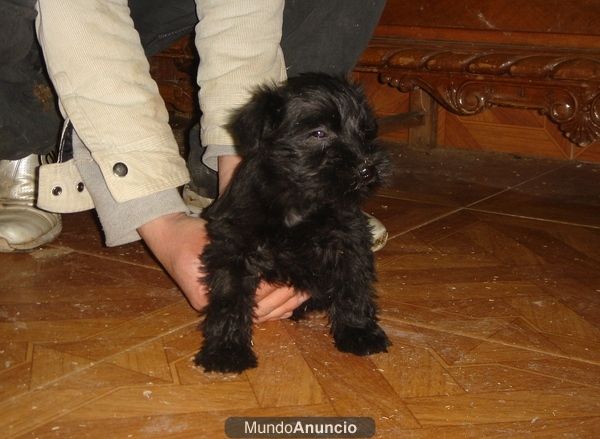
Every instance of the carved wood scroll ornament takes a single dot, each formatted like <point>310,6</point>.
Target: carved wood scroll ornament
<point>468,78</point>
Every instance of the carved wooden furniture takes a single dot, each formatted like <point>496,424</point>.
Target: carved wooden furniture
<point>471,54</point>
<point>174,70</point>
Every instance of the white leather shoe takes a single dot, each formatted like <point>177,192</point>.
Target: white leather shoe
<point>378,231</point>
<point>22,225</point>
<point>194,201</point>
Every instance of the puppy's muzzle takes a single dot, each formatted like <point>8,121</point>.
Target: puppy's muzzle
<point>367,173</point>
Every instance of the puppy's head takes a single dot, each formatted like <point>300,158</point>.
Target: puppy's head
<point>314,135</point>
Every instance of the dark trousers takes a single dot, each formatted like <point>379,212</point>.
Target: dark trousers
<point>326,36</point>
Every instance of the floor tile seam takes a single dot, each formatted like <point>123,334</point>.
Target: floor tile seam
<point>175,372</point>
<point>443,361</point>
<point>49,343</point>
<point>468,208</point>
<point>507,365</point>
<point>488,340</point>
<point>94,363</point>
<point>29,355</point>
<point>547,220</point>
<point>493,395</point>
<point>291,406</point>
<point>417,200</point>
<point>146,341</point>
<point>488,197</point>
<point>443,313</point>
<point>507,188</point>
<point>133,322</point>
<point>108,258</point>
<point>151,339</point>
<point>499,424</point>
<point>302,355</point>
<point>416,344</point>
<point>556,391</point>
<point>545,333</point>
<point>28,359</point>
<point>426,223</point>
<point>531,326</point>
<point>330,398</point>
<point>545,375</point>
<point>519,184</point>
<point>444,365</point>
<point>489,299</point>
<point>299,352</point>
<point>389,384</point>
<point>185,356</point>
<point>98,397</point>
<point>112,390</point>
<point>104,331</point>
<point>93,399</point>
<point>54,417</point>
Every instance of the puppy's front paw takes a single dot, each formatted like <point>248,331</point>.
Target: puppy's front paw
<point>361,341</point>
<point>226,358</point>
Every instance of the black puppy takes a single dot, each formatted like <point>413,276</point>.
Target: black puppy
<point>291,215</point>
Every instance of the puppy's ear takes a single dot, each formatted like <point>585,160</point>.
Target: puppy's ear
<point>256,120</point>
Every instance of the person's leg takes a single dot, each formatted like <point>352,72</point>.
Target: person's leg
<point>29,120</point>
<point>101,75</point>
<point>317,36</point>
<point>160,23</point>
<point>124,149</point>
<point>29,125</point>
<point>327,36</point>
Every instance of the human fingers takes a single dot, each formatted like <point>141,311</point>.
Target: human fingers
<point>280,305</point>
<point>264,289</point>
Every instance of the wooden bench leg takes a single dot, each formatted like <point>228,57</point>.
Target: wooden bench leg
<point>424,135</point>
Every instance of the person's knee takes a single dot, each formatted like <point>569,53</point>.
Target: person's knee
<point>17,33</point>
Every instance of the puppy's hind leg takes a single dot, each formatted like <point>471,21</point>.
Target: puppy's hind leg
<point>227,326</point>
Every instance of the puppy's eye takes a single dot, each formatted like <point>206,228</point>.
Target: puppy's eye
<point>319,134</point>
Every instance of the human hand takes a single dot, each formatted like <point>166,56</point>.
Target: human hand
<point>177,240</point>
<point>275,302</point>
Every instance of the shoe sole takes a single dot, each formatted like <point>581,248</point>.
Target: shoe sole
<point>195,202</point>
<point>51,235</point>
<point>379,242</point>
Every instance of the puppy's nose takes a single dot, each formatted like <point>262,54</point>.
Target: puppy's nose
<point>367,173</point>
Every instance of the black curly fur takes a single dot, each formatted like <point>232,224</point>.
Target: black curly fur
<point>291,215</point>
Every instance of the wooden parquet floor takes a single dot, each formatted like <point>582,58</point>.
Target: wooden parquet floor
<point>489,289</point>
